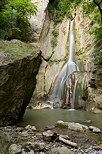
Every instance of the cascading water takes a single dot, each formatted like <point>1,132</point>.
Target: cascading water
<point>64,84</point>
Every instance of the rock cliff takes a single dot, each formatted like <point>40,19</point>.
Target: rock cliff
<point>85,48</point>
<point>55,52</point>
<point>17,83</point>
<point>53,57</point>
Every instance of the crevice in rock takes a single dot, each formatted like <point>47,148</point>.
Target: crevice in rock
<point>45,79</point>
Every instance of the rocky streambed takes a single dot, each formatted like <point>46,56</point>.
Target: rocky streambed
<point>50,140</point>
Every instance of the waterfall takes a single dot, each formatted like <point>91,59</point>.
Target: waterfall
<point>66,77</point>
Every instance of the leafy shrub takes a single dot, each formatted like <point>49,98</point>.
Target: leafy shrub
<point>55,32</point>
<point>14,18</point>
<point>59,9</point>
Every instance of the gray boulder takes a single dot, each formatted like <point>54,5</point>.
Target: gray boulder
<point>15,149</point>
<point>17,83</point>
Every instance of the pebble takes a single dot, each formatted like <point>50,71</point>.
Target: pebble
<point>38,145</point>
<point>33,128</point>
<point>24,133</point>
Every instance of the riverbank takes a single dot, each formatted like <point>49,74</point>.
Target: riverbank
<point>29,140</point>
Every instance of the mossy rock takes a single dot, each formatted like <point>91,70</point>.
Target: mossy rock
<point>61,124</point>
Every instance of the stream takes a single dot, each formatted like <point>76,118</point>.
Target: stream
<point>42,118</point>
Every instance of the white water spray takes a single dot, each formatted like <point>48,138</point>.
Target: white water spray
<point>68,69</point>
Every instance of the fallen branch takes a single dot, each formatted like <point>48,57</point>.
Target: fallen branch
<point>52,137</point>
<point>67,142</point>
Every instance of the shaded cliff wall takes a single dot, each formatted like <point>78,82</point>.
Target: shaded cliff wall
<point>17,83</point>
<point>85,48</point>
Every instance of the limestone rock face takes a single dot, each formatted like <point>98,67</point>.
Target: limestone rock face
<point>37,20</point>
<point>85,48</point>
<point>17,83</point>
<point>53,58</point>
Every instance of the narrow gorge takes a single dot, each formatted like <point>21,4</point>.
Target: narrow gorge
<point>63,47</point>
<point>53,42</point>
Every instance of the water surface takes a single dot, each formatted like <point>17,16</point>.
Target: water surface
<point>48,117</point>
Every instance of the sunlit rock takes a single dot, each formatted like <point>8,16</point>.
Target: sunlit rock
<point>94,129</point>
<point>77,127</point>
<point>15,149</point>
<point>37,20</point>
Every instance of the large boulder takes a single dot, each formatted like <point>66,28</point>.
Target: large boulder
<point>17,83</point>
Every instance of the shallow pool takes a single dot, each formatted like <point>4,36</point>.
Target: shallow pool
<point>47,117</point>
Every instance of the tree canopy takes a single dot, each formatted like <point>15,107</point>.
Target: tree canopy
<point>14,17</point>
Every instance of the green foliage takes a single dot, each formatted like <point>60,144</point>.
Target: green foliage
<point>54,42</point>
<point>91,9</point>
<point>59,9</point>
<point>99,72</point>
<point>55,32</point>
<point>52,61</point>
<point>14,18</point>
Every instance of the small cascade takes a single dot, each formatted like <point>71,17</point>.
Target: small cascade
<point>74,94</point>
<point>65,84</point>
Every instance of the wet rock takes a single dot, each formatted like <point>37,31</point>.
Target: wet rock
<point>71,126</point>
<point>61,124</point>
<point>29,127</point>
<point>33,128</point>
<point>77,127</point>
<point>14,149</point>
<point>40,105</point>
<point>61,150</point>
<point>94,129</point>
